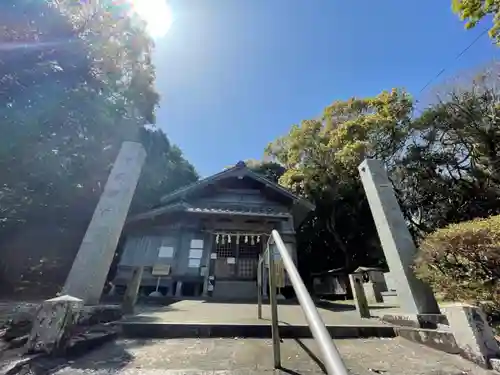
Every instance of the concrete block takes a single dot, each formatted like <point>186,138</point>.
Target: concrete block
<point>53,325</point>
<point>473,334</point>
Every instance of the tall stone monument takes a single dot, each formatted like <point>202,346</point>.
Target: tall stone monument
<point>414,296</point>
<point>93,260</point>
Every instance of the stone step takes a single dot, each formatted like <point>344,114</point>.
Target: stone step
<point>253,356</point>
<point>163,330</point>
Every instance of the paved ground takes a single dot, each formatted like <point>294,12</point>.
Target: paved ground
<point>232,356</point>
<point>190,311</point>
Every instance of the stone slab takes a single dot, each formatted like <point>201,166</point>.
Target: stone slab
<point>249,357</point>
<point>435,339</point>
<point>473,335</point>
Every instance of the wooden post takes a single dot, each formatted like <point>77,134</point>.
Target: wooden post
<point>130,298</point>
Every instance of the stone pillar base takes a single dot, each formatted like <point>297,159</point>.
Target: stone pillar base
<point>53,324</point>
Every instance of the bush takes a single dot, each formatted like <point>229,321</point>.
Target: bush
<point>462,262</point>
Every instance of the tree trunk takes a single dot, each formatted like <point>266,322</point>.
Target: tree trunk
<point>338,240</point>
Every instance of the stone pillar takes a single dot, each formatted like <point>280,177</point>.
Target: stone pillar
<point>472,333</point>
<point>91,265</point>
<point>358,293</point>
<point>414,296</point>
<point>134,284</point>
<point>53,324</point>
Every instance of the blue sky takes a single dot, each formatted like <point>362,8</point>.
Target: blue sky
<point>236,74</point>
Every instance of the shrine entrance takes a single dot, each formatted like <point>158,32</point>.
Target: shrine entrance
<point>237,256</point>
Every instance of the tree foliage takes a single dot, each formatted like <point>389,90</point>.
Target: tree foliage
<point>449,172</point>
<point>443,163</point>
<point>321,158</point>
<point>462,262</point>
<point>473,11</point>
<point>76,80</point>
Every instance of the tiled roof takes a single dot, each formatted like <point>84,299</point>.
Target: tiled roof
<point>218,210</point>
<point>253,211</point>
<point>240,170</point>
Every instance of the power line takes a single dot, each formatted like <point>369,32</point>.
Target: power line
<point>458,56</point>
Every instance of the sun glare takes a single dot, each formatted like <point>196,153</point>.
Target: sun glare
<point>157,15</point>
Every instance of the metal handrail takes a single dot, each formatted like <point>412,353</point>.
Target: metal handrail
<point>331,357</point>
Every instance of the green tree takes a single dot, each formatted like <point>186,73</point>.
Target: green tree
<point>450,170</point>
<point>321,159</point>
<point>164,171</point>
<point>269,169</point>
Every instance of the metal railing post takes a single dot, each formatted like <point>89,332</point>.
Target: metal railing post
<point>259,288</point>
<point>274,310</point>
<point>331,357</point>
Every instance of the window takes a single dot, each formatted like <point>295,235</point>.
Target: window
<point>195,253</point>
<point>165,252</point>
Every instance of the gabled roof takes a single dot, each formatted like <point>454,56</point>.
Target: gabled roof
<point>239,170</point>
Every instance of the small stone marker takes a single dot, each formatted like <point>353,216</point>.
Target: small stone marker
<point>473,334</point>
<point>358,292</point>
<point>130,298</point>
<point>53,324</point>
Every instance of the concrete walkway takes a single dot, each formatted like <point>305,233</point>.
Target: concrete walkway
<point>250,356</point>
<point>195,312</point>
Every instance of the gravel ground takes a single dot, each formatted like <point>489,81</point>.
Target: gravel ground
<point>253,356</point>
